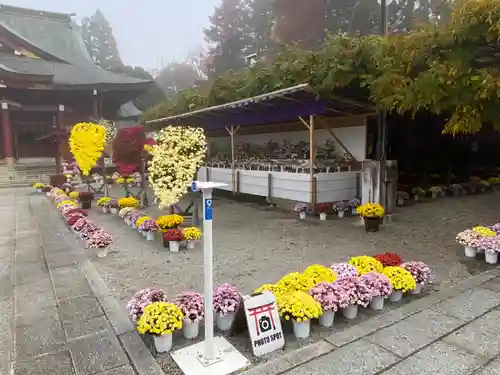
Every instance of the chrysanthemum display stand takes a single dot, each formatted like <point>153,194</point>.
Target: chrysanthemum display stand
<point>214,356</point>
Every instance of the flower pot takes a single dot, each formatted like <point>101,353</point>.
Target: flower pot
<point>326,320</point>
<point>85,244</point>
<point>400,201</point>
<point>86,205</point>
<point>302,215</point>
<point>224,322</point>
<point>372,224</point>
<point>396,296</point>
<point>417,290</point>
<point>341,214</point>
<point>301,330</point>
<point>434,195</point>
<point>163,344</point>
<point>150,236</point>
<point>105,210</point>
<point>133,225</point>
<point>491,257</point>
<point>350,312</point>
<point>377,303</point>
<point>354,211</point>
<point>102,252</point>
<point>416,198</point>
<point>190,329</point>
<point>113,210</point>
<point>322,215</point>
<point>470,252</point>
<point>173,246</point>
<point>38,191</point>
<point>48,194</point>
<point>190,244</point>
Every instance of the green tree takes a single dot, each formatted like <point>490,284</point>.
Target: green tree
<point>229,37</point>
<point>100,42</point>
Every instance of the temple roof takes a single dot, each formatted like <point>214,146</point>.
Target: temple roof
<point>59,38</point>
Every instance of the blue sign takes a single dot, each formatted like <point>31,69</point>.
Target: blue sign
<point>194,186</point>
<point>208,209</point>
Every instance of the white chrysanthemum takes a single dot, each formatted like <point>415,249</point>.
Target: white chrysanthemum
<point>179,152</point>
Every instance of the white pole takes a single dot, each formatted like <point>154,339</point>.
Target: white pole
<point>208,271</point>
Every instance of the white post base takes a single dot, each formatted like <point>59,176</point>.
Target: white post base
<point>227,359</point>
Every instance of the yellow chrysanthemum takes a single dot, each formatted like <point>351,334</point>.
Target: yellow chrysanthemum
<point>400,278</point>
<point>365,264</point>
<point>128,202</point>
<point>484,231</point>
<point>192,233</point>
<point>160,318</point>
<point>299,305</point>
<point>169,221</point>
<point>86,143</point>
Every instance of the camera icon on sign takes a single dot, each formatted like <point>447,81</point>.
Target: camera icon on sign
<point>264,324</point>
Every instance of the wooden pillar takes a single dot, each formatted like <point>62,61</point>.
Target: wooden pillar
<point>95,108</point>
<point>312,159</point>
<point>8,147</point>
<point>232,131</point>
<point>60,124</point>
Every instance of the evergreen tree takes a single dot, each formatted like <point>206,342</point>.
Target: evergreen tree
<point>100,42</point>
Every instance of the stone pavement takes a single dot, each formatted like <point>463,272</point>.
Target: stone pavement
<point>56,315</point>
<point>453,332</point>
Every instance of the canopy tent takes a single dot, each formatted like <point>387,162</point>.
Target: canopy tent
<point>274,107</point>
<point>299,102</point>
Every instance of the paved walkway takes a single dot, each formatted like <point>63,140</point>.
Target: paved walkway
<point>454,332</point>
<point>56,315</point>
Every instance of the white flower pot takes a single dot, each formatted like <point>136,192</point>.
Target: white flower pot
<point>322,216</point>
<point>415,197</point>
<point>190,244</point>
<point>133,225</point>
<point>341,214</point>
<point>85,244</point>
<point>434,195</point>
<point>401,201</point>
<point>190,329</point>
<point>377,303</point>
<point>173,246</point>
<point>224,322</point>
<point>38,191</point>
<point>350,312</point>
<point>113,210</point>
<point>102,253</point>
<point>302,215</point>
<point>470,252</point>
<point>491,257</point>
<point>150,236</point>
<point>396,296</point>
<point>301,330</point>
<point>163,344</point>
<point>48,194</point>
<point>417,290</point>
<point>105,210</point>
<point>326,320</point>
<point>354,211</point>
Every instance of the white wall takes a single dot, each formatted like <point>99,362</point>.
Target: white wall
<point>354,139</point>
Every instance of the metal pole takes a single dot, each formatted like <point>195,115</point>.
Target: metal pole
<point>208,272</point>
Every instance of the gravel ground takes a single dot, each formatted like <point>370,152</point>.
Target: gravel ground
<point>255,245</point>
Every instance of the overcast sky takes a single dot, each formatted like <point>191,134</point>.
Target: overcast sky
<point>148,32</point>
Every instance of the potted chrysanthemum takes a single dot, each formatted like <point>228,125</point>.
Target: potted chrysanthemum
<point>112,206</point>
<point>301,209</point>
<point>301,308</point>
<point>329,295</point>
<point>389,259</point>
<point>171,238</point>
<point>365,264</point>
<point>226,300</point>
<point>344,270</point>
<point>380,288</point>
<point>85,198</point>
<point>401,280</point>
<point>102,202</point>
<point>161,319</point>
<point>418,193</point>
<point>372,214</point>
<point>143,298</point>
<point>100,241</point>
<point>491,246</point>
<point>38,186</point>
<point>149,227</point>
<point>354,204</point>
<point>88,231</point>
<point>141,220</point>
<point>356,293</point>
<point>128,202</point>
<point>436,191</point>
<point>469,240</point>
<point>341,208</point>
<point>420,272</point>
<point>193,307</point>
<point>169,222</point>
<point>191,235</point>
